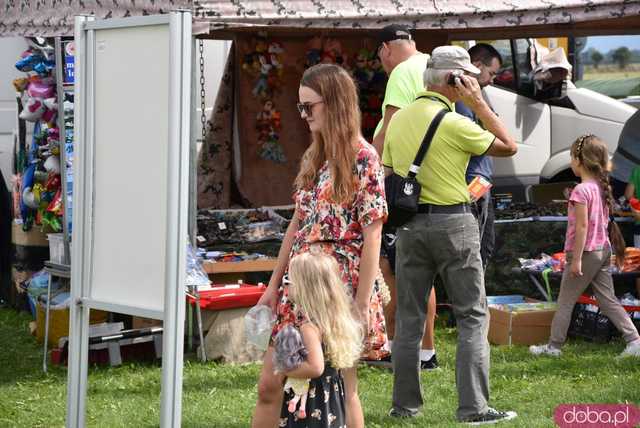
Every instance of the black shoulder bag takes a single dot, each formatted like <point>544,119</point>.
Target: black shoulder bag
<point>403,193</point>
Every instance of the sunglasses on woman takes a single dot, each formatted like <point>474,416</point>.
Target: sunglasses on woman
<point>307,108</point>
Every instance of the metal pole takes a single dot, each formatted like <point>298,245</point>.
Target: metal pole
<point>177,219</point>
<point>63,145</point>
<point>46,324</point>
<point>79,314</point>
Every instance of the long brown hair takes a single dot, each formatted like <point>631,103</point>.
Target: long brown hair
<point>336,142</point>
<point>593,155</point>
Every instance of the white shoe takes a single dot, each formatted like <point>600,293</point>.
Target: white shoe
<point>632,350</point>
<point>492,416</point>
<point>544,350</point>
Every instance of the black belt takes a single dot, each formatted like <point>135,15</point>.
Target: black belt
<point>444,209</point>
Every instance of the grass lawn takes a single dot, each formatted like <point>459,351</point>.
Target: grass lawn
<point>217,395</point>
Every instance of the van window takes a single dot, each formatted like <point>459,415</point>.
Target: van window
<point>505,77</point>
<point>608,64</point>
<point>515,73</point>
<point>522,55</point>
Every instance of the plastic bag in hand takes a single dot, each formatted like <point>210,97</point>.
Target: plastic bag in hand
<point>258,323</point>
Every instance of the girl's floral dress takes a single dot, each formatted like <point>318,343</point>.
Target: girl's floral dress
<point>336,229</point>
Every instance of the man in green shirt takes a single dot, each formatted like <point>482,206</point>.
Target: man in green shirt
<point>443,238</point>
<point>404,65</point>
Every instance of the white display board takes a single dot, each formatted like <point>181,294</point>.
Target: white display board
<point>131,166</point>
<point>131,188</point>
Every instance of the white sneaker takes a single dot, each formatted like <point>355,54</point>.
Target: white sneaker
<point>544,350</point>
<point>632,350</point>
<point>492,416</point>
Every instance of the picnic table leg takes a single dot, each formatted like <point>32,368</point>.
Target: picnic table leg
<point>203,354</point>
<point>46,324</point>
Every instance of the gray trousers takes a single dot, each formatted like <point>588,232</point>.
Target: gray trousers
<point>447,245</point>
<point>595,271</point>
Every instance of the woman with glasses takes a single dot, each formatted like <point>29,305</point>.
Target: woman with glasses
<point>340,209</point>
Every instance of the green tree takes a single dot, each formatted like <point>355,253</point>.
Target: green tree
<point>596,57</point>
<point>622,56</point>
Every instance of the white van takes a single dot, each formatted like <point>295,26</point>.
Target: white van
<point>545,129</point>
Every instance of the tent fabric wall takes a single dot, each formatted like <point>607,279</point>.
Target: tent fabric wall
<point>214,159</point>
<point>55,17</point>
<point>436,14</point>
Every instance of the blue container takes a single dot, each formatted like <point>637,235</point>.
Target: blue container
<point>505,300</point>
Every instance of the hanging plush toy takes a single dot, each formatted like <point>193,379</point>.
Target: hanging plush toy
<point>268,127</point>
<point>20,83</point>
<point>32,110</point>
<point>37,62</point>
<point>314,51</point>
<point>261,87</point>
<point>361,71</point>
<point>333,52</point>
<point>41,87</point>
<point>288,354</point>
<point>265,63</point>
<point>52,165</point>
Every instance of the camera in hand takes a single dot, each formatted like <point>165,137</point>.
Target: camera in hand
<point>452,77</point>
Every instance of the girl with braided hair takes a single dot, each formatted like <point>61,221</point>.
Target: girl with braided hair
<point>588,245</point>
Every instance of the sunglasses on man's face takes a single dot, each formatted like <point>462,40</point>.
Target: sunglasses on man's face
<point>307,108</point>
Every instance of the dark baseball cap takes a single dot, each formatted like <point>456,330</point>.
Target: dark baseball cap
<point>394,32</point>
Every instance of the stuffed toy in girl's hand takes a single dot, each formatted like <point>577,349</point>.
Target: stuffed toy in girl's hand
<point>289,354</point>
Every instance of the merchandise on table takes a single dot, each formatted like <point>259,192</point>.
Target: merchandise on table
<point>526,307</point>
<point>236,256</point>
<point>239,226</point>
<point>555,262</point>
<point>519,210</point>
<point>195,276</point>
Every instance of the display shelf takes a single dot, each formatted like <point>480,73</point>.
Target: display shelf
<point>258,265</point>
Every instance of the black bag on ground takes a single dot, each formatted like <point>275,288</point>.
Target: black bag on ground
<point>403,193</point>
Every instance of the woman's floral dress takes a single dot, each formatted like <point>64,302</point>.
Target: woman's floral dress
<point>336,229</point>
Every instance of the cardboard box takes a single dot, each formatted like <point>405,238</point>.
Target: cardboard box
<point>518,328</point>
<point>59,322</point>
<point>34,237</point>
<point>141,322</point>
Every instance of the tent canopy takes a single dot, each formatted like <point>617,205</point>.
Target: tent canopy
<point>55,17</point>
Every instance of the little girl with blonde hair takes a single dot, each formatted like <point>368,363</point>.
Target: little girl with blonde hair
<point>331,335</point>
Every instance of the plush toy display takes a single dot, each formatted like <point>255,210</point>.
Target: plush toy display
<point>38,164</point>
<point>289,354</point>
<point>264,64</point>
<point>268,127</point>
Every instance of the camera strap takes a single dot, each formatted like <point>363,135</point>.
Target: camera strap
<point>426,142</point>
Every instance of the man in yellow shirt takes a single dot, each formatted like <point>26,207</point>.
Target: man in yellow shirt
<point>443,238</point>
<point>404,65</point>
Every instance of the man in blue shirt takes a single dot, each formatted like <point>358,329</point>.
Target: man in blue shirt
<point>489,61</point>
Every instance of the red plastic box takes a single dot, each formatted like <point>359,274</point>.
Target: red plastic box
<point>223,297</point>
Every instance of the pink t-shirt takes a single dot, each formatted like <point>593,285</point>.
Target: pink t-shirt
<point>588,193</point>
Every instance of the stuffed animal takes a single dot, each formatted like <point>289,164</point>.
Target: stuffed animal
<point>289,354</point>
<point>314,51</point>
